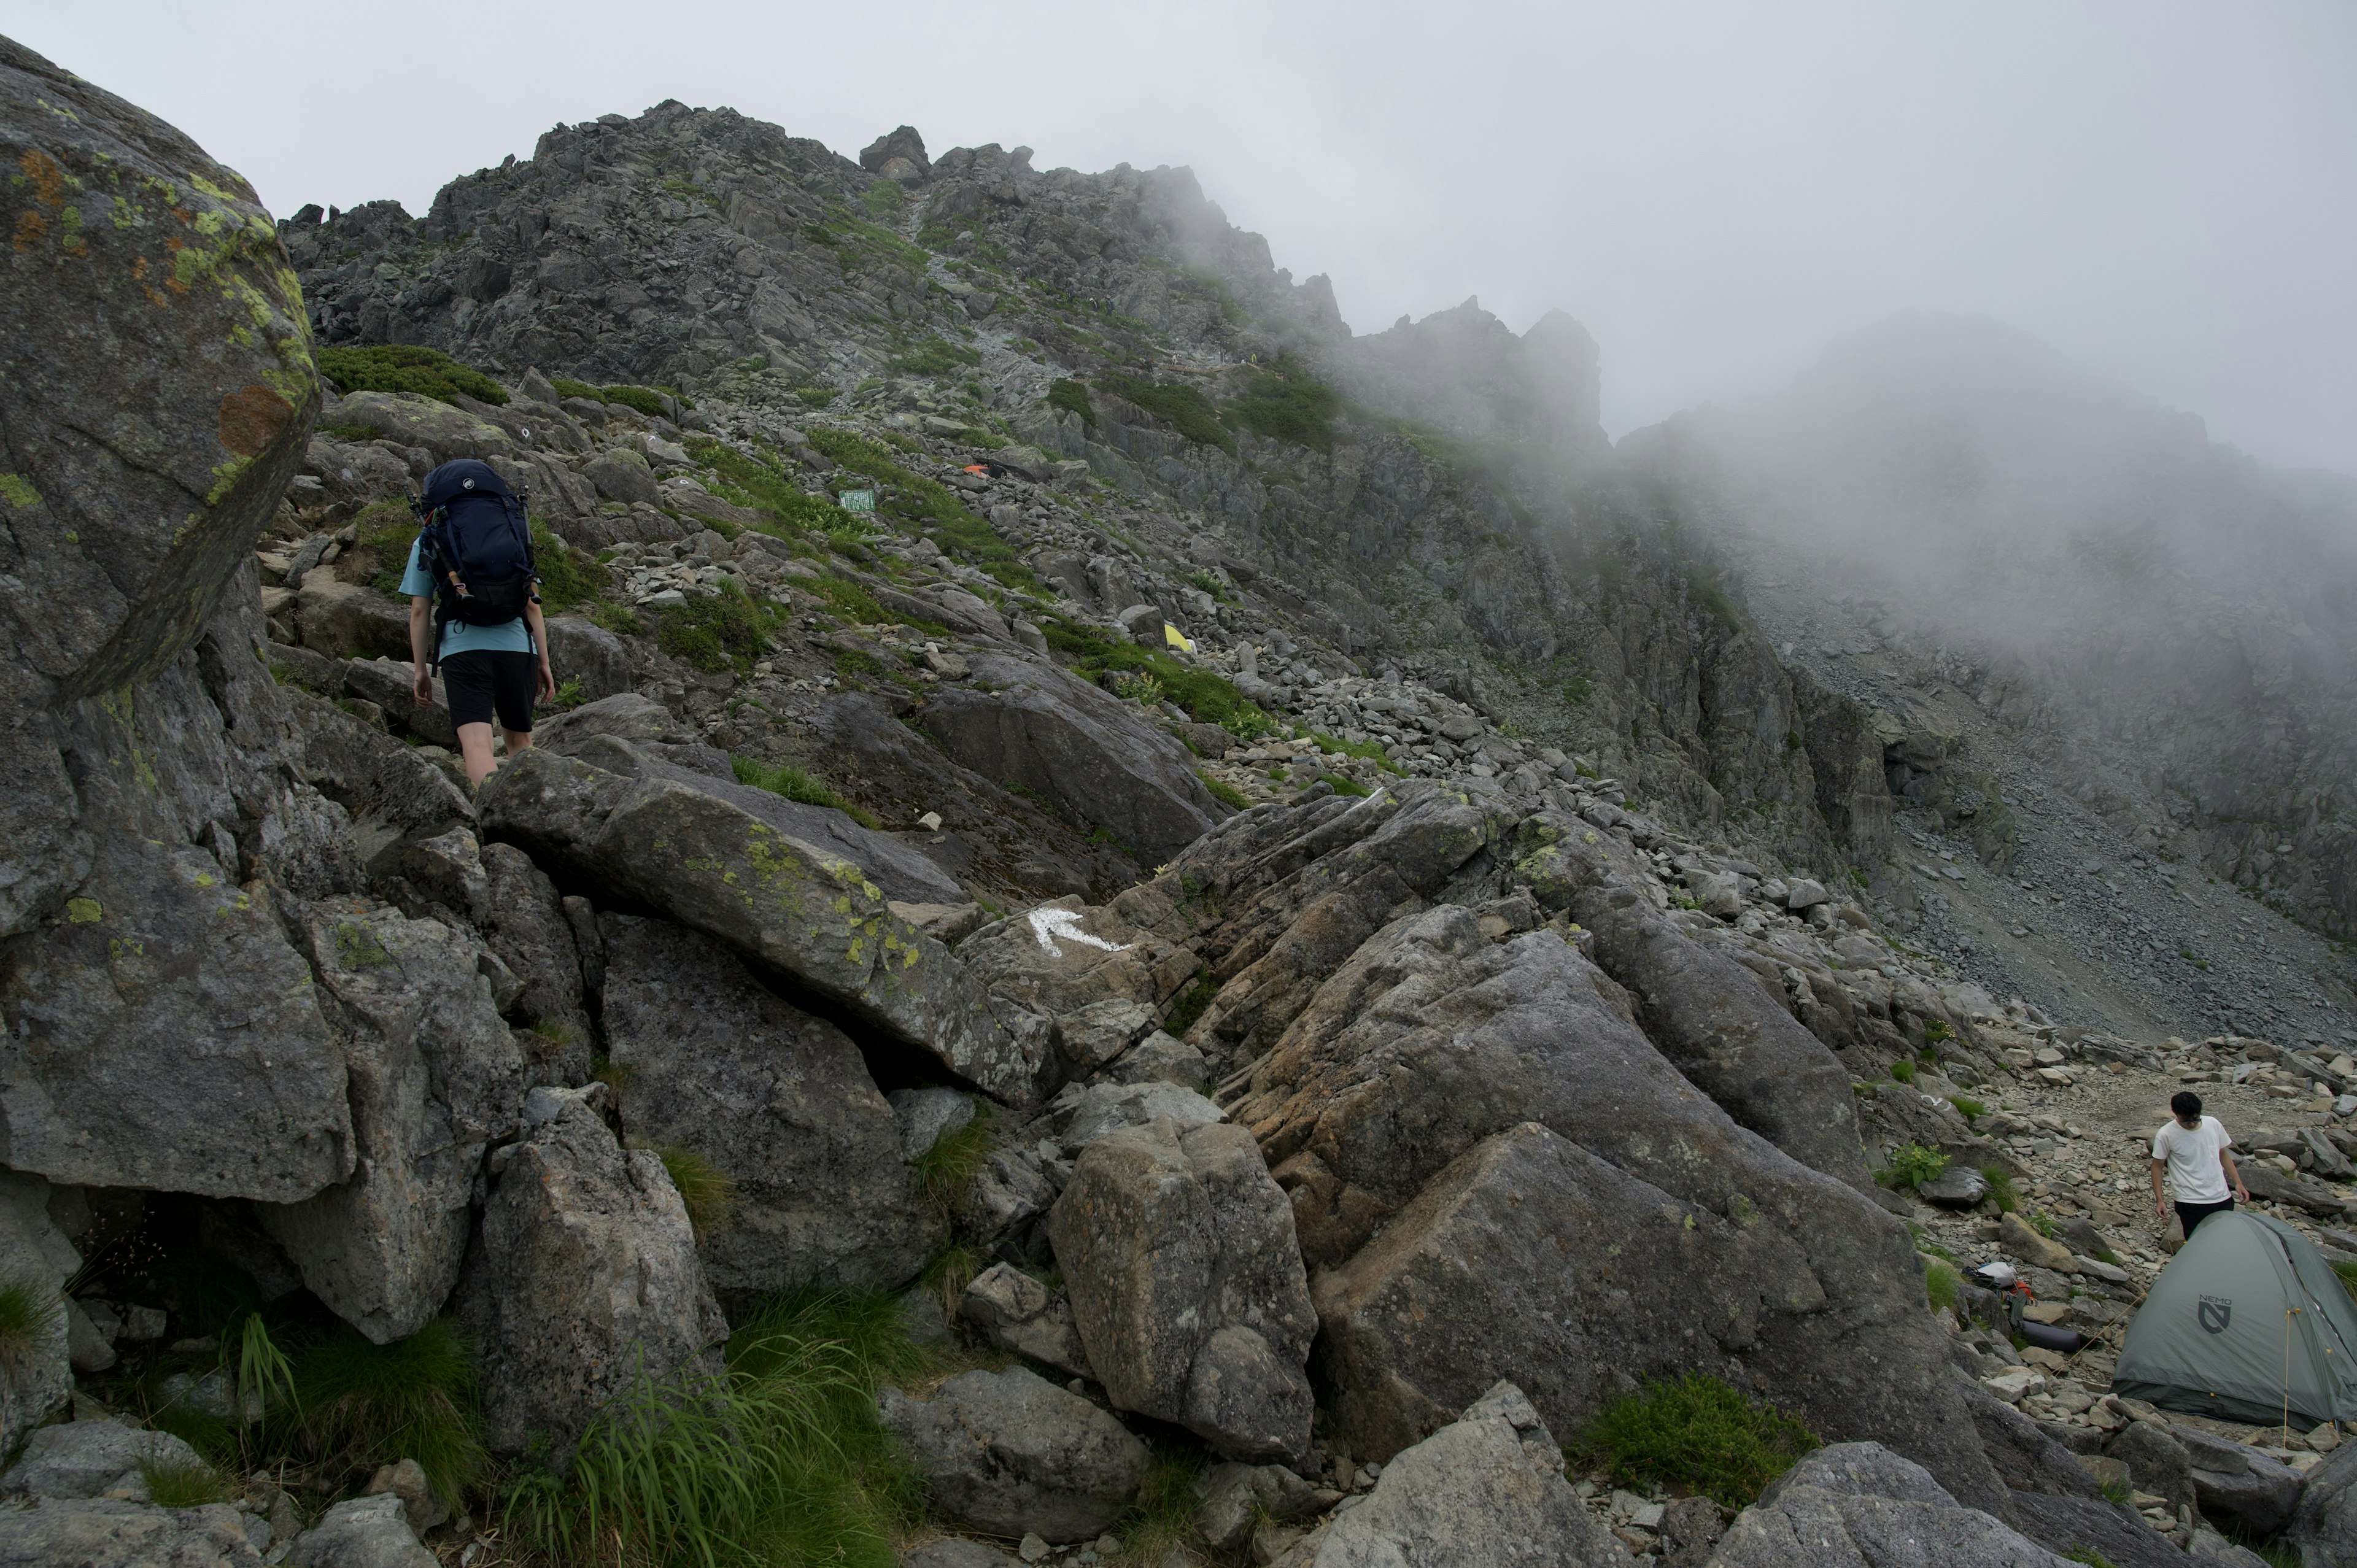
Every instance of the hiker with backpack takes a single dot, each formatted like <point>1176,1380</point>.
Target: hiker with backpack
<point>474,609</point>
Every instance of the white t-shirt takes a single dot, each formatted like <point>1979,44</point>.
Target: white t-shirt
<point>2195,1175</point>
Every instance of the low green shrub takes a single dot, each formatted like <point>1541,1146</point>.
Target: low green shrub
<point>1936,1030</point>
<point>706,1191</point>
<point>569,577</point>
<point>1158,1526</point>
<point>566,387</point>
<point>926,504</point>
<point>1968,1108</point>
<point>1903,1070</point>
<point>648,401</point>
<point>2001,1191</point>
<point>2347,1272</point>
<point>761,482</point>
<point>1072,397</point>
<point>1205,697</point>
<point>350,432</point>
<point>1183,407</point>
<point>782,778</point>
<point>1911,1165</point>
<point>1940,1283</point>
<point>884,200</point>
<point>1695,1433</point>
<point>936,357</point>
<point>718,632</point>
<point>1286,403</point>
<point>406,368</point>
<point>1345,785</point>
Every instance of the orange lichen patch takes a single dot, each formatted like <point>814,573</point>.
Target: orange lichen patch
<point>30,227</point>
<point>48,179</point>
<point>250,419</point>
<point>176,284</point>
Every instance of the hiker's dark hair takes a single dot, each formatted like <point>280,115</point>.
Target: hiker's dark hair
<point>2185,1102</point>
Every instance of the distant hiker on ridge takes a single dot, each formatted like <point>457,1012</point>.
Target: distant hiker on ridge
<point>473,557</point>
<point>2193,1149</point>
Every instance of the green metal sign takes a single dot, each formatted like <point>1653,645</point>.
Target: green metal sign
<point>858,501</point>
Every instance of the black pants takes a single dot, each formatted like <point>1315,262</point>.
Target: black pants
<point>482,683</point>
<point>2192,1214</point>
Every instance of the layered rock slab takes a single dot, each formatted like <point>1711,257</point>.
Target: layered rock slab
<point>810,916</point>
<point>1187,1286</point>
<point>779,1101</point>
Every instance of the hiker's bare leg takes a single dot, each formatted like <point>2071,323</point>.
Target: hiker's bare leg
<point>517,739</point>
<point>474,748</point>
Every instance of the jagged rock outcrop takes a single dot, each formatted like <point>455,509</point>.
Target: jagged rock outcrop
<point>777,1101</point>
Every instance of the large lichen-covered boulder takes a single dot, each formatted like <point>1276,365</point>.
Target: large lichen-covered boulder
<point>1012,1454</point>
<point>786,905</point>
<point>777,1101</point>
<point>1857,1505</point>
<point>1100,983</point>
<point>583,1278</point>
<point>1433,1038</point>
<point>435,1079</point>
<point>1186,1286</point>
<point>1030,723</point>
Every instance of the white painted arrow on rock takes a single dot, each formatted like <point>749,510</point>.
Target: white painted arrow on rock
<point>1049,924</point>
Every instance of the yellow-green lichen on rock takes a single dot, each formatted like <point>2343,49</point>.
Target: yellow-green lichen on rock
<point>141,276</point>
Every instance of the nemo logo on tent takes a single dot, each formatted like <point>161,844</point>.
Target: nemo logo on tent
<point>2215,1312</point>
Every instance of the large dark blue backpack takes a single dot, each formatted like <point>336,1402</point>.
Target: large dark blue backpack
<point>474,540</point>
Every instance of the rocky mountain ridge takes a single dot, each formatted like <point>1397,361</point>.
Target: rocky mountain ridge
<point>1145,792</point>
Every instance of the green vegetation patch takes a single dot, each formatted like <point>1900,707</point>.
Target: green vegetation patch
<point>1225,793</point>
<point>1970,1109</point>
<point>1286,403</point>
<point>1184,408</point>
<point>926,505</point>
<point>1913,1164</point>
<point>1696,1435</point>
<point>936,356</point>
<point>860,245</point>
<point>1940,1283</point>
<point>1190,1007</point>
<point>723,631</point>
<point>1206,698</point>
<point>361,1405</point>
<point>406,368</point>
<point>2001,1189</point>
<point>182,1483</point>
<point>759,480</point>
<point>706,1191</point>
<point>948,1168</point>
<point>567,577</point>
<point>1072,397</point>
<point>794,784</point>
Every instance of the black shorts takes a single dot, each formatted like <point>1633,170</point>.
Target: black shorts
<point>481,684</point>
<point>2192,1214</point>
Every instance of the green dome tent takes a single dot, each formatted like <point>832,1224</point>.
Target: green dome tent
<point>2246,1318</point>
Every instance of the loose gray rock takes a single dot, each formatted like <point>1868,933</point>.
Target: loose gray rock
<point>583,1276</point>
<point>1188,1286</point>
<point>1081,1114</point>
<point>1012,1454</point>
<point>1958,1186</point>
<point>1101,982</point>
<point>956,1552</point>
<point>2264,1494</point>
<point>1016,1312</point>
<point>434,1078</point>
<point>2323,1528</point>
<point>1486,1489</point>
<point>362,1533</point>
<point>87,1458</point>
<point>100,1532</point>
<point>2156,1461</point>
<point>1236,1498</point>
<point>1158,1059</point>
<point>926,1116</point>
<point>36,1254</point>
<point>778,1100</point>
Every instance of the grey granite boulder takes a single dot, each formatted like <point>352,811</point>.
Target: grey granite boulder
<point>1857,1505</point>
<point>362,1533</point>
<point>1030,723</point>
<point>1486,1489</point>
<point>810,914</point>
<point>1102,983</point>
<point>1012,1454</point>
<point>2323,1528</point>
<point>1187,1286</point>
<point>102,1532</point>
<point>88,1458</point>
<point>36,1255</point>
<point>435,1079</point>
<point>776,1100</point>
<point>1016,1312</point>
<point>528,930</point>
<point>583,1278</point>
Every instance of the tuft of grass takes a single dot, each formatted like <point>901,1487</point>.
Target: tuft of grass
<point>1161,1524</point>
<point>1139,686</point>
<point>950,1271</point>
<point>849,600</point>
<point>945,1171</point>
<point>1913,1164</point>
<point>28,1316</point>
<point>1073,398</point>
<point>779,1459</point>
<point>759,480</point>
<point>1970,1109</point>
<point>1344,785</point>
<point>2001,1190</point>
<point>568,577</point>
<point>778,779</point>
<point>708,1192</point>
<point>648,401</point>
<point>1903,1070</point>
<point>1696,1434</point>
<point>569,694</point>
<point>182,1483</point>
<point>2043,1223</point>
<point>362,1405</point>
<point>722,631</point>
<point>2118,1491</point>
<point>2088,1555</point>
<point>936,356</point>
<point>1940,1283</point>
<point>1190,1006</point>
<point>1205,697</point>
<point>1224,792</point>
<point>1936,1030</point>
<point>351,432</point>
<point>2348,1273</point>
<point>1367,750</point>
<point>406,368</point>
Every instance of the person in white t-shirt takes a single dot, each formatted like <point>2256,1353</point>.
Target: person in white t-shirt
<point>2192,1150</point>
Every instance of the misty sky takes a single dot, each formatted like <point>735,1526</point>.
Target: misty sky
<point>2165,192</point>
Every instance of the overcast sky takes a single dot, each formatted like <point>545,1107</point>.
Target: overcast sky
<point>2165,192</point>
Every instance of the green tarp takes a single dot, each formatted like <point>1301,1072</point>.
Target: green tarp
<point>2246,1319</point>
